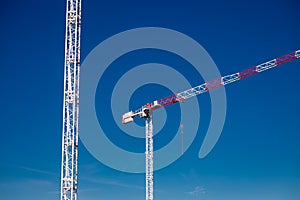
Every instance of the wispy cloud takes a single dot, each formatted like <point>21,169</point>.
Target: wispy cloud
<point>113,183</point>
<point>198,190</point>
<point>40,183</point>
<point>27,185</point>
<point>40,171</point>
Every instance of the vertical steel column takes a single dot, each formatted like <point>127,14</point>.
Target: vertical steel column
<point>69,171</point>
<point>149,158</point>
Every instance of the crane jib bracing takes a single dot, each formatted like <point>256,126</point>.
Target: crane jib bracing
<point>146,110</point>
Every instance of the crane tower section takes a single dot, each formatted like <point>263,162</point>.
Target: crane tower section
<point>69,171</point>
<point>149,158</point>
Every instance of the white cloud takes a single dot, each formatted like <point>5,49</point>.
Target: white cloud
<point>113,183</point>
<point>38,171</point>
<point>198,190</point>
<point>31,188</point>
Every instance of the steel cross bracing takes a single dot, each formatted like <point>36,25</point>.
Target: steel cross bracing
<point>221,81</point>
<point>182,96</point>
<point>149,158</point>
<point>69,172</point>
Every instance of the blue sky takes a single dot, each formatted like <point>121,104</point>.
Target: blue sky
<point>257,155</point>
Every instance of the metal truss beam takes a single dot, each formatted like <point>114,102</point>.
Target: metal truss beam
<point>69,165</point>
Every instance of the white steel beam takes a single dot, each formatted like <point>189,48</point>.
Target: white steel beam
<point>149,158</point>
<point>69,165</point>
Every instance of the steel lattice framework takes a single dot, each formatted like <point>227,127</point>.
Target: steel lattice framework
<point>221,81</point>
<point>146,111</point>
<point>69,170</point>
<point>149,159</point>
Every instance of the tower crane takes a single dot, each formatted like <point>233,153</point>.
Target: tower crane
<point>146,111</point>
<point>69,174</point>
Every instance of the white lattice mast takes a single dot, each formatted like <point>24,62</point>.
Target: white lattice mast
<point>149,158</point>
<point>69,170</point>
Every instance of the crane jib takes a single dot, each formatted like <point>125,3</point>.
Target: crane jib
<point>218,82</point>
